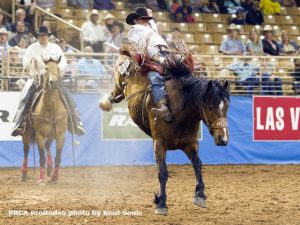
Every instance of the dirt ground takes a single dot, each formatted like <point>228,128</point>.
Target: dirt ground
<point>249,194</point>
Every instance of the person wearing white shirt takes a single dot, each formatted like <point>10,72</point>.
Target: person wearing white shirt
<point>93,33</point>
<point>145,37</point>
<point>34,58</point>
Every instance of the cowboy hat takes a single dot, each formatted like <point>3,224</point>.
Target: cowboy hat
<point>233,27</point>
<point>94,12</point>
<point>109,16</point>
<point>139,13</point>
<point>267,28</point>
<point>42,31</point>
<point>3,31</point>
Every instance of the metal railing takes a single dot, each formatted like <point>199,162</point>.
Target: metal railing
<point>92,73</point>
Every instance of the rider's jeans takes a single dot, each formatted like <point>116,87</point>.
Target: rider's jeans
<point>157,85</point>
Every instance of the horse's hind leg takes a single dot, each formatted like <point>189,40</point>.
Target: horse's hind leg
<point>26,145</point>
<point>192,153</point>
<point>160,201</point>
<point>40,140</point>
<point>49,156</point>
<point>59,146</point>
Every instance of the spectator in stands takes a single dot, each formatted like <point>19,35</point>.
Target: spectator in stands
<point>21,47</point>
<point>254,16</point>
<point>90,67</point>
<point>64,46</point>
<point>104,5</point>
<point>208,6</point>
<point>20,16</point>
<point>4,46</point>
<point>176,41</point>
<point>109,19</point>
<point>272,85</point>
<point>93,33</point>
<point>82,4</point>
<point>270,7</point>
<point>269,45</point>
<point>117,36</point>
<point>240,16</point>
<point>233,45</point>
<point>184,13</point>
<point>231,5</point>
<point>287,46</point>
<point>246,73</point>
<point>254,44</point>
<point>136,3</point>
<point>174,6</point>
<point>14,40</point>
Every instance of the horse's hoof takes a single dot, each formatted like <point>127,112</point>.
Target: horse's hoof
<point>199,201</point>
<point>41,183</point>
<point>24,178</point>
<point>49,171</point>
<point>161,211</point>
<point>54,179</point>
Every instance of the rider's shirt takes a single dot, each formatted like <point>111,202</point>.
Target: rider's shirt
<point>39,52</point>
<point>146,39</point>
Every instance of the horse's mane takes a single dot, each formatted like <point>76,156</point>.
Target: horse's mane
<point>195,90</point>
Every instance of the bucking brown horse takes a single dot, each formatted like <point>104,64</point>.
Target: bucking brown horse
<point>190,99</point>
<point>48,121</point>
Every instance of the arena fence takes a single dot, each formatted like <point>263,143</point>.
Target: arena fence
<point>265,75</point>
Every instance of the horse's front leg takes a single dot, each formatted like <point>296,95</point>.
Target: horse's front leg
<point>49,157</point>
<point>192,152</point>
<point>40,140</point>
<point>160,201</point>
<point>26,144</point>
<point>60,139</point>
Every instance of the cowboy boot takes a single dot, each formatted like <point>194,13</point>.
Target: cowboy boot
<point>78,126</point>
<point>162,111</point>
<point>19,129</point>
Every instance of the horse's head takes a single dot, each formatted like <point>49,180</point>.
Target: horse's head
<point>215,109</point>
<point>52,74</point>
<point>124,67</point>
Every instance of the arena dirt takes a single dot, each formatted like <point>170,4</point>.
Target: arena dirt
<point>235,195</point>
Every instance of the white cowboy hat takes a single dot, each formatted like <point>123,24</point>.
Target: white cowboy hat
<point>3,31</point>
<point>94,12</point>
<point>233,27</point>
<point>108,16</point>
<point>268,28</point>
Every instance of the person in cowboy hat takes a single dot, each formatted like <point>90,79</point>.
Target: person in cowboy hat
<point>4,45</point>
<point>232,45</point>
<point>108,19</point>
<point>35,54</point>
<point>93,33</point>
<point>269,45</point>
<point>117,35</point>
<point>143,36</point>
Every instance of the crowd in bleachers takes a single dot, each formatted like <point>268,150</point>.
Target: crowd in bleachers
<point>103,31</point>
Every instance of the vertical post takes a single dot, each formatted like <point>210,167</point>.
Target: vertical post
<point>13,11</point>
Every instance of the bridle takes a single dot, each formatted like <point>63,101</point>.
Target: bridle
<point>219,123</point>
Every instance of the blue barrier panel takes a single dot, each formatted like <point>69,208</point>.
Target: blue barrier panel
<point>93,151</point>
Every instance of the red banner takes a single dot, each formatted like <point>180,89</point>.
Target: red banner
<point>276,118</point>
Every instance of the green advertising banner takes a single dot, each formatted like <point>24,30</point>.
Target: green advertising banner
<point>118,125</point>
